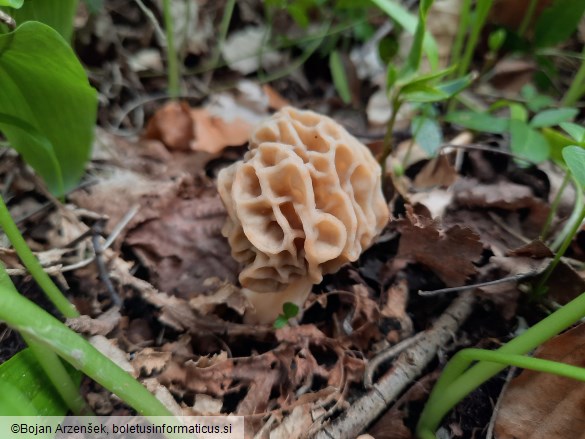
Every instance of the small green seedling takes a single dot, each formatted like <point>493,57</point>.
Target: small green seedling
<point>289,311</point>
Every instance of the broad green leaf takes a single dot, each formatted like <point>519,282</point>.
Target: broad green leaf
<point>339,77</point>
<point>41,152</point>
<point>58,14</point>
<point>577,132</point>
<point>45,86</point>
<point>527,142</point>
<point>552,117</point>
<point>409,22</point>
<point>558,22</point>
<point>575,159</point>
<point>478,121</point>
<point>30,392</point>
<point>427,134</point>
<point>11,3</point>
<point>539,102</point>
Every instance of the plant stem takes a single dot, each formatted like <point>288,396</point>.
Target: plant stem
<point>39,326</point>
<point>223,30</point>
<point>457,49</point>
<point>389,135</point>
<point>51,364</point>
<point>554,206</point>
<point>172,61</point>
<point>456,382</point>
<point>577,88</point>
<point>527,17</point>
<point>33,265</point>
<point>540,288</point>
<point>62,382</point>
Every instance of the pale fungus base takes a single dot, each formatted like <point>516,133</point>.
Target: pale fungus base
<point>305,199</point>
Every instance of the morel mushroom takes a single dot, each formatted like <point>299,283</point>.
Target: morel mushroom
<point>305,199</point>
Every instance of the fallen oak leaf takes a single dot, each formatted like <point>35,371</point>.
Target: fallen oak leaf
<point>448,253</point>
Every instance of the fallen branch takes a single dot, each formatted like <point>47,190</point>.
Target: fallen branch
<point>409,365</point>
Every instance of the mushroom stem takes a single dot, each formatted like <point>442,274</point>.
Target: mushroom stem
<point>267,306</point>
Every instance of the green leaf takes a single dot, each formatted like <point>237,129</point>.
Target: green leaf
<point>557,142</point>
<point>478,121</point>
<point>558,22</point>
<point>577,132</point>
<point>552,117</point>
<point>58,14</point>
<point>45,86</point>
<point>427,134</point>
<point>539,102</point>
<point>41,154</point>
<point>424,93</point>
<point>575,159</point>
<point>280,322</point>
<point>527,142</point>
<point>391,77</point>
<point>451,88</point>
<point>409,22</point>
<point>339,77</point>
<point>30,392</point>
<point>496,39</point>
<point>11,3</point>
<point>290,310</point>
<point>518,112</point>
<point>424,79</point>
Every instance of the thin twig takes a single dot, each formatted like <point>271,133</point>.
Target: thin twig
<point>491,425</point>
<point>387,354</point>
<point>514,278</point>
<point>102,269</point>
<point>160,35</point>
<point>7,20</point>
<point>409,365</point>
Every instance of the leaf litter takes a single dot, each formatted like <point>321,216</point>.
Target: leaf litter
<point>180,329</point>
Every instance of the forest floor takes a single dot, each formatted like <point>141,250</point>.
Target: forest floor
<point>138,247</point>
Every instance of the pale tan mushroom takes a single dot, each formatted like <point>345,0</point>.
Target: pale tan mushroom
<point>305,199</point>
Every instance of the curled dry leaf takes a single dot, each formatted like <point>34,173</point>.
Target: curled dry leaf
<point>449,253</point>
<point>173,125</point>
<point>148,361</point>
<point>103,325</point>
<point>541,406</point>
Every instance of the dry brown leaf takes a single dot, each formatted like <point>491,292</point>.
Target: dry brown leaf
<point>275,99</point>
<point>148,361</point>
<point>503,195</point>
<point>183,245</point>
<point>437,172</point>
<point>213,134</point>
<point>206,405</point>
<point>449,253</point>
<point>172,124</point>
<point>543,406</point>
<point>103,325</point>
